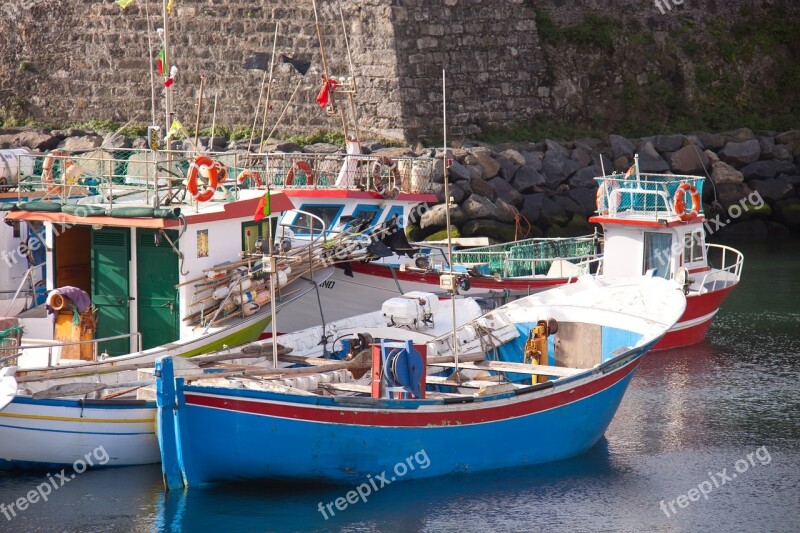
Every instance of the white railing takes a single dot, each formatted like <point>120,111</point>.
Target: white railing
<point>41,344</point>
<point>727,273</point>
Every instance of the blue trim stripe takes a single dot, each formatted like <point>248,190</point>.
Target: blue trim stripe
<point>76,432</point>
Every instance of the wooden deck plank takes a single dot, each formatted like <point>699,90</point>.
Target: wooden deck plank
<point>520,368</point>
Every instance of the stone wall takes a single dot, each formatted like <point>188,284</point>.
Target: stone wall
<point>606,63</point>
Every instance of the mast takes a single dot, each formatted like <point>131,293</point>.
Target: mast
<point>167,90</point>
<point>447,220</point>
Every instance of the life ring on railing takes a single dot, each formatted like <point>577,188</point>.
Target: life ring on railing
<point>222,172</point>
<point>679,203</point>
<point>71,171</point>
<point>604,190</point>
<point>305,167</point>
<point>387,190</point>
<point>212,168</point>
<point>255,178</point>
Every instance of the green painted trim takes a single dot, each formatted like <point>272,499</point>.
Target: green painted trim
<point>244,335</point>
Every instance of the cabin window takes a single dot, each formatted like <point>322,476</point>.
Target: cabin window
<point>657,253</point>
<point>369,213</point>
<point>693,247</point>
<point>396,210</point>
<point>328,213</point>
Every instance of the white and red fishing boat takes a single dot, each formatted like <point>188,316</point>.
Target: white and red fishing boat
<point>647,227</point>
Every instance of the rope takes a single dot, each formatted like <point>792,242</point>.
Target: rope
<point>518,218</point>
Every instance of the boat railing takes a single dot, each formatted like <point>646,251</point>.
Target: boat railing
<point>40,344</point>
<point>530,257</point>
<point>646,195</point>
<point>726,267</point>
<point>117,172</point>
<point>31,292</point>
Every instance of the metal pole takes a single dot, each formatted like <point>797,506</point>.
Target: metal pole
<point>269,87</point>
<point>255,115</point>
<point>272,278</point>
<point>197,120</point>
<point>325,67</point>
<point>447,217</point>
<point>167,90</point>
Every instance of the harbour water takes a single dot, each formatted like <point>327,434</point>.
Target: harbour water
<point>706,439</point>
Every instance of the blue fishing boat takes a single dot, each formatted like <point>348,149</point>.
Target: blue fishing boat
<point>536,380</point>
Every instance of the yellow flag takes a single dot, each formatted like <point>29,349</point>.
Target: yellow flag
<point>176,127</point>
<point>169,7</point>
<point>125,3</point>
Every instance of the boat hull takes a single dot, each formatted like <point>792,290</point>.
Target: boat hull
<point>269,436</point>
<point>57,433</point>
<point>693,325</point>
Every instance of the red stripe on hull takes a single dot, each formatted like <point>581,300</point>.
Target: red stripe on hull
<point>412,417</point>
<point>697,306</point>
<point>432,278</point>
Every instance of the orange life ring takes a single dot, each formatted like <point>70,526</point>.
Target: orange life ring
<point>71,171</point>
<point>255,178</point>
<point>213,169</point>
<point>606,188</point>
<point>305,167</point>
<point>680,202</point>
<point>384,189</point>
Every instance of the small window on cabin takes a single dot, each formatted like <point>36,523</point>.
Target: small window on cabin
<point>657,253</point>
<point>368,214</point>
<point>693,247</point>
<point>252,232</point>
<point>396,210</point>
<point>302,222</point>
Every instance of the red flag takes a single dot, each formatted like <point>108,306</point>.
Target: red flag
<point>324,95</point>
<point>263,209</point>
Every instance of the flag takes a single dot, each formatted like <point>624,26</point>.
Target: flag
<point>631,171</point>
<point>324,95</point>
<point>124,3</point>
<point>176,127</point>
<point>263,208</point>
<point>299,65</point>
<point>257,61</point>
<point>169,7</point>
<point>160,62</point>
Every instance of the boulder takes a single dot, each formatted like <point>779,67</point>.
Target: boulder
<point>437,189</point>
<point>665,143</point>
<point>606,166</point>
<point>459,191</point>
<point>532,206</point>
<point>790,139</point>
<point>585,198</point>
<point>121,142</point>
<point>281,146</point>
<point>34,139</point>
<point>493,229</point>
<point>577,226</point>
<point>370,146</point>
<point>553,146</point>
<point>526,179</point>
<point>620,147</point>
<point>436,216</point>
<point>793,179</point>
<point>772,189</point>
<point>570,206</point>
<point>508,166</point>
<point>506,191</point>
<point>650,160</point>
<point>590,144</point>
<point>581,156</point>
<point>457,172</point>
<point>585,177</point>
<point>481,187</point>
<point>723,173</point>
<point>71,132</point>
<point>740,154</point>
<point>393,152</point>
<point>533,159</point>
<point>688,160</point>
<point>767,169</point>
<point>557,168</point>
<point>505,211</point>
<point>729,194</point>
<point>86,142</point>
<point>783,152</point>
<point>479,207</point>
<point>321,148</point>
<point>488,164</point>
<point>621,164</point>
<point>711,141</point>
<point>777,230</point>
<point>552,214</point>
<point>512,155</point>
<point>441,235</point>
<point>475,171</point>
<point>740,135</point>
<point>788,212</point>
<point>767,145</point>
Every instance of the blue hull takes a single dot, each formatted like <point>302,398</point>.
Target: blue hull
<point>214,434</point>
